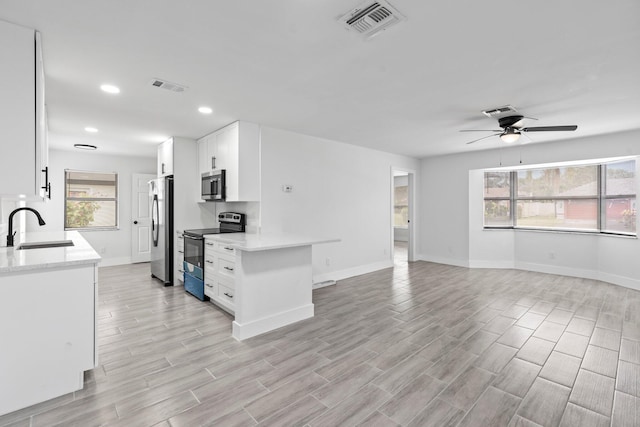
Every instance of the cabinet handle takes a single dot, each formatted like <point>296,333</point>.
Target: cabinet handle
<point>228,268</point>
<point>228,248</point>
<point>209,244</point>
<point>208,285</point>
<point>163,168</point>
<point>213,162</point>
<point>180,252</point>
<point>181,271</point>
<point>210,262</point>
<point>229,295</point>
<point>47,185</point>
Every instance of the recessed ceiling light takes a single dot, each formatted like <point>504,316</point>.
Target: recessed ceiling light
<point>85,146</point>
<point>110,88</point>
<point>91,129</point>
<point>205,110</point>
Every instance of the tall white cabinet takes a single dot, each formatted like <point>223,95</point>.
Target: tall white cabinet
<point>23,135</point>
<point>236,149</point>
<point>179,155</point>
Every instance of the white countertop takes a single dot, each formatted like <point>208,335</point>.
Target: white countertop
<point>267,241</point>
<point>81,252</point>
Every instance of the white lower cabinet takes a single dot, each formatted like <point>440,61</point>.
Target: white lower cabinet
<point>180,258</point>
<point>219,274</point>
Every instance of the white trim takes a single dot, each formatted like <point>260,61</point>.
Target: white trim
<point>627,282</point>
<point>624,281</point>
<point>354,271</point>
<point>266,324</point>
<point>491,264</point>
<point>557,269</point>
<point>443,260</point>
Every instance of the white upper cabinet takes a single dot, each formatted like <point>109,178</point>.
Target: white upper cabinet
<point>236,149</point>
<point>23,135</point>
<point>165,158</point>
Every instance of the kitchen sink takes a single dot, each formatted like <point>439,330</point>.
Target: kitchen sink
<point>42,245</point>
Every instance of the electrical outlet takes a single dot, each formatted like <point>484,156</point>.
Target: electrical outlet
<point>103,250</point>
<point>327,261</point>
<point>552,255</point>
<point>287,188</point>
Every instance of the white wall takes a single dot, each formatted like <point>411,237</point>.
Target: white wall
<point>451,216</point>
<point>114,245</point>
<point>339,190</point>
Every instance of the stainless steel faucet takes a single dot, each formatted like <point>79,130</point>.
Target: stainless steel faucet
<point>11,232</point>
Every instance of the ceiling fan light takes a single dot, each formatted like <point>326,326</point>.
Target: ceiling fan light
<point>510,137</point>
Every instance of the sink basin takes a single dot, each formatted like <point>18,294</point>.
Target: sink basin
<point>42,245</point>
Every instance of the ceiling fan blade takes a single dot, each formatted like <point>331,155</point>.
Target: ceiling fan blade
<point>481,130</point>
<point>480,139</point>
<point>550,128</point>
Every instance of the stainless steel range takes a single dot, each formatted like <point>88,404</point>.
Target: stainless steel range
<point>230,222</point>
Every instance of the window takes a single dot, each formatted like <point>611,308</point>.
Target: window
<point>401,206</point>
<point>619,204</point>
<point>91,200</point>
<point>593,198</point>
<point>497,199</point>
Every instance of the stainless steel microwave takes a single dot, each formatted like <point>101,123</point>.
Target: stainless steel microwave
<point>214,185</point>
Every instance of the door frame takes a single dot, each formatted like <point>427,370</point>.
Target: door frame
<point>411,227</point>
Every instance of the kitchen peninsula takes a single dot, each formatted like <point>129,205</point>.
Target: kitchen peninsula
<point>48,296</point>
<point>269,280</point>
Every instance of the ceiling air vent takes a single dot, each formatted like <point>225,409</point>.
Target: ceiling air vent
<point>163,84</point>
<point>371,18</point>
<point>496,112</point>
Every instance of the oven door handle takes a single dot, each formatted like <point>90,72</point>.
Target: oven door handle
<point>186,236</point>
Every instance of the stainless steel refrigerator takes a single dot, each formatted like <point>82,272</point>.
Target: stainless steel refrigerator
<point>161,202</point>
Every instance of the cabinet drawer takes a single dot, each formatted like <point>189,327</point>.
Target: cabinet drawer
<point>209,289</point>
<point>225,294</point>
<point>209,246</point>
<point>224,248</point>
<point>225,267</point>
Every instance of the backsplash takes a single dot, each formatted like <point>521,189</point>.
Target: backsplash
<point>250,209</point>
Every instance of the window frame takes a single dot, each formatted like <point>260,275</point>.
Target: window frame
<point>93,199</point>
<point>509,198</point>
<point>600,198</point>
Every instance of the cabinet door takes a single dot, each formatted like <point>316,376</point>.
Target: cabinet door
<point>203,162</point>
<point>43,180</point>
<point>212,155</point>
<point>165,158</point>
<point>227,148</point>
<point>17,106</point>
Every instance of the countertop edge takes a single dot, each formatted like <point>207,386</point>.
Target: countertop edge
<point>255,246</point>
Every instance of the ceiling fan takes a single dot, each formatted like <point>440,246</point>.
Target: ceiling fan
<point>512,128</point>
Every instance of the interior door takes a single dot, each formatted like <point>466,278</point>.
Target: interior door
<point>140,218</point>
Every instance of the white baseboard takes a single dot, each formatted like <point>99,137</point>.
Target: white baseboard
<point>627,282</point>
<point>351,272</point>
<point>266,324</point>
<point>490,264</point>
<point>557,269</point>
<point>108,262</point>
<point>443,260</point>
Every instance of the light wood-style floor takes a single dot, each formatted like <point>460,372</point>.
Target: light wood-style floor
<point>421,344</point>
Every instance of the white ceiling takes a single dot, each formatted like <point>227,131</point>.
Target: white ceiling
<point>289,64</point>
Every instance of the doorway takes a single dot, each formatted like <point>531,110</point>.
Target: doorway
<point>402,223</point>
<point>140,218</point>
